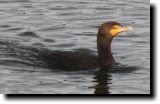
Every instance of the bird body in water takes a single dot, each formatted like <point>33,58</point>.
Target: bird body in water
<point>66,60</point>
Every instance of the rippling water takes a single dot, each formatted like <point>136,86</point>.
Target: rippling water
<point>30,26</point>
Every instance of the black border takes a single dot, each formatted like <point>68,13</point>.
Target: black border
<point>152,49</point>
<point>86,96</point>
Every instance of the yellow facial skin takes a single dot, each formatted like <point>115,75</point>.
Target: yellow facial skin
<point>118,29</point>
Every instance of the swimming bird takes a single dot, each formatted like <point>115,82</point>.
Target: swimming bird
<point>67,60</point>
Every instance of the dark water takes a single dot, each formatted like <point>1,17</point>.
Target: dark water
<point>31,26</point>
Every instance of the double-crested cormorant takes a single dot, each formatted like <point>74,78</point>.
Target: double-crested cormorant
<point>66,60</point>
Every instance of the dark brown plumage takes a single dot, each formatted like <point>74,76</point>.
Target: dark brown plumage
<point>81,61</point>
<point>67,60</point>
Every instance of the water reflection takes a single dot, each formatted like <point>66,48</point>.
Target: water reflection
<point>102,77</point>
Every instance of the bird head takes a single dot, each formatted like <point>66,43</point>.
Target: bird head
<point>112,29</point>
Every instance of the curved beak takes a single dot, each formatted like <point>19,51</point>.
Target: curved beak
<point>123,29</point>
<point>126,28</point>
<point>119,29</point>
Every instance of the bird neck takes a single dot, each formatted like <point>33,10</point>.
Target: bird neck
<point>106,59</point>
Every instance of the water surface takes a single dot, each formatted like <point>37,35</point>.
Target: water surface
<point>30,26</point>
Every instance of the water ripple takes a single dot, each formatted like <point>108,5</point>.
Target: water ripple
<point>32,28</point>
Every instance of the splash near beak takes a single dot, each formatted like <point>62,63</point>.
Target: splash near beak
<point>118,30</point>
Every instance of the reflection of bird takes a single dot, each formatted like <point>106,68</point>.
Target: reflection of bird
<point>102,77</point>
<point>81,61</point>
